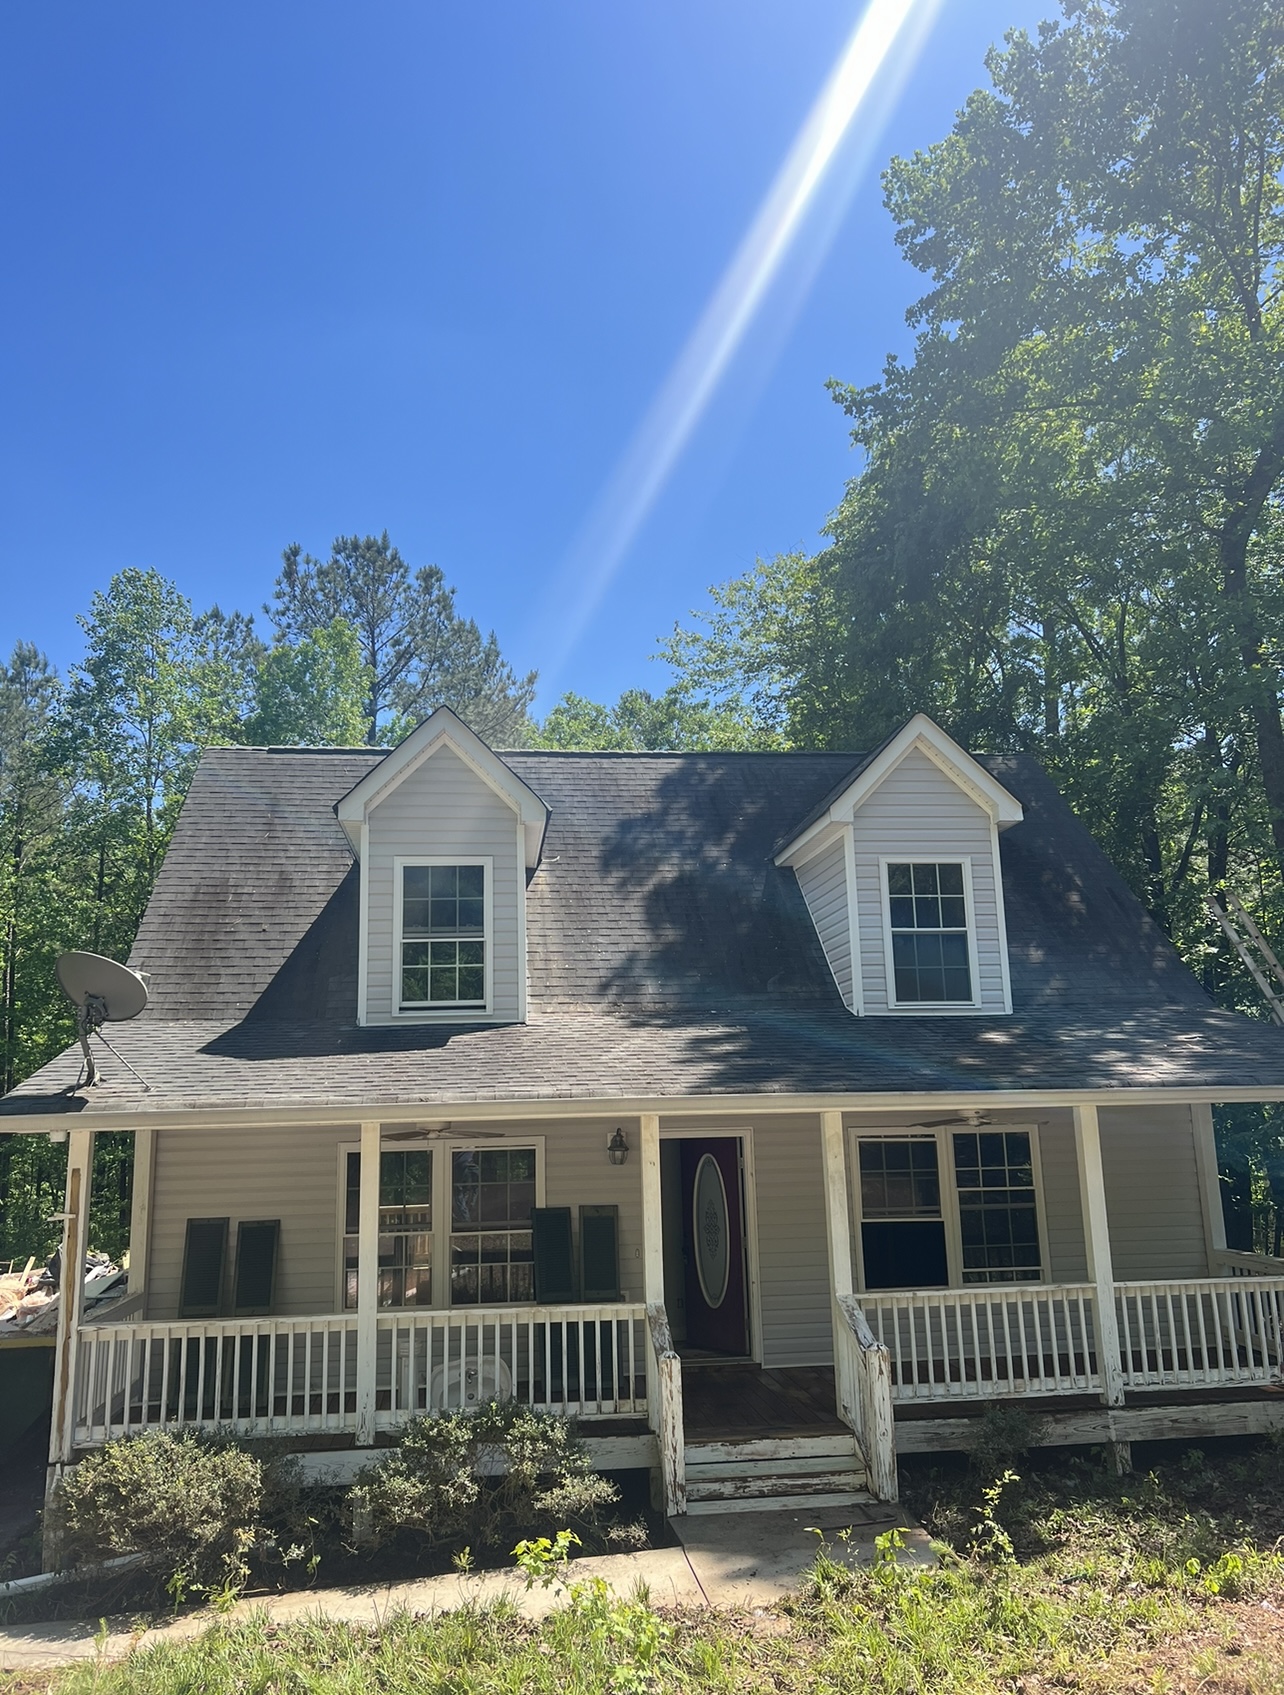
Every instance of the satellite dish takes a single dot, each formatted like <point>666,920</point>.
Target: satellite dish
<point>103,992</point>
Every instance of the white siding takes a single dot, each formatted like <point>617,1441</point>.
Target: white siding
<point>921,813</point>
<point>823,881</point>
<point>1153,1204</point>
<point>443,808</point>
<point>293,1175</point>
<point>793,1251</point>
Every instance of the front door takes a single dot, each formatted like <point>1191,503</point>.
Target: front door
<point>713,1245</point>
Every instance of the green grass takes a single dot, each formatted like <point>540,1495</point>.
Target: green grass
<point>1069,1580</point>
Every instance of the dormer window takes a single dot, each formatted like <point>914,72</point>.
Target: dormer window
<point>443,909</point>
<point>927,921</point>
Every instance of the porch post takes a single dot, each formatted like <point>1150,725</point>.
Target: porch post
<point>140,1210</point>
<point>367,1284</point>
<point>838,1230</point>
<point>652,1224</point>
<point>1210,1186</point>
<point>71,1300</point>
<point>1101,1271</point>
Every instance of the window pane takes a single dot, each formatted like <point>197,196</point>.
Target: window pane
<point>998,1216</point>
<point>471,915</point>
<point>444,881</point>
<point>925,880</point>
<point>900,1179</point>
<point>414,917</point>
<point>443,913</point>
<point>415,882</point>
<point>899,881</point>
<point>950,878</point>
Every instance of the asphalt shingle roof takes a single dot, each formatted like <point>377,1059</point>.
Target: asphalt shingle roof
<point>667,956</point>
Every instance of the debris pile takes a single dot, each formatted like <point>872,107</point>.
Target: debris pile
<point>29,1298</point>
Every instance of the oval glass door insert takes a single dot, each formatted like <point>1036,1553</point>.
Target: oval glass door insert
<point>712,1231</point>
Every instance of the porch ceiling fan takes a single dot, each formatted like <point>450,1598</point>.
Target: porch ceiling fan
<point>418,1132</point>
<point>971,1120</point>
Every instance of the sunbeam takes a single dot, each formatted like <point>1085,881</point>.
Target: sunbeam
<point>887,38</point>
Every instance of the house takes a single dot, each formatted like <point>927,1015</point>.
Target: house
<point>773,1114</point>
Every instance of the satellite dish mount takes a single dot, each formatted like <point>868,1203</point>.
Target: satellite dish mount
<point>102,992</point>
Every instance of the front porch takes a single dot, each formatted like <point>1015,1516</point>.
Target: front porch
<point>1099,1357</point>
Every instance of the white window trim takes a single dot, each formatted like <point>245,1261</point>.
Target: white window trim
<point>934,1009</point>
<point>949,1196</point>
<point>457,1012</point>
<point>441,1150</point>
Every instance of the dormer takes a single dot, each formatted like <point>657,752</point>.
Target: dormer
<point>446,834</point>
<point>900,870</point>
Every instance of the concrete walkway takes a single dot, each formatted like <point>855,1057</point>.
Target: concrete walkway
<point>745,1560</point>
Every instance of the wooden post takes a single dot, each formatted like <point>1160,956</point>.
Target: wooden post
<point>1210,1186</point>
<point>367,1284</point>
<point>1101,1271</point>
<point>839,1233</point>
<point>140,1210</point>
<point>652,1217</point>
<point>71,1300</point>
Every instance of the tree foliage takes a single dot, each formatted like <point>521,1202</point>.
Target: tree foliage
<point>93,771</point>
<point>418,652</point>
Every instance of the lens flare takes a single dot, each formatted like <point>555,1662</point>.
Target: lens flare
<point>886,40</point>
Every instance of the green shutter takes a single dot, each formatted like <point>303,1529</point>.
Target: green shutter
<point>554,1256</point>
<point>600,1253</point>
<point>204,1254</point>
<point>255,1277</point>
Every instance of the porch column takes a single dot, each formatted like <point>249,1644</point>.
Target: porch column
<point>1210,1186</point>
<point>838,1230</point>
<point>1101,1271</point>
<point>367,1284</point>
<point>652,1223</point>
<point>71,1300</point>
<point>140,1210</point>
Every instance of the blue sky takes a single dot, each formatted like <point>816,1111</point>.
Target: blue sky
<point>284,270</point>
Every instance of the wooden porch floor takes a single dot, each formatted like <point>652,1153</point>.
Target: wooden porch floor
<point>722,1402</point>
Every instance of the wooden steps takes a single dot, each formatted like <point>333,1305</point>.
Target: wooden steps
<point>762,1474</point>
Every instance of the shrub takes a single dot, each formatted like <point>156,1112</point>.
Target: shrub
<point>1002,1436</point>
<point>186,1502</point>
<point>478,1477</point>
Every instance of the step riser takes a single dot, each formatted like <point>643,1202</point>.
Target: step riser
<point>778,1468</point>
<point>780,1503</point>
<point>769,1488</point>
<point>772,1448</point>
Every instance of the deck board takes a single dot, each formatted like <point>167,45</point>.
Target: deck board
<point>722,1402</point>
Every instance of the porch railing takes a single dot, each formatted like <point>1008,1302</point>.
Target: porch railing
<point>260,1375</point>
<point>1013,1340</point>
<point>1201,1334</point>
<point>865,1396</point>
<point>982,1343</point>
<point>582,1361</point>
<point>270,1376</point>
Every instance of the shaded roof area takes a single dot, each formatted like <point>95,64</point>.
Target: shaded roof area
<point>667,956</point>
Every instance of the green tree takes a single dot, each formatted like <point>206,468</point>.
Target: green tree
<point>312,692</point>
<point>155,686</point>
<point>419,653</point>
<point>669,722</point>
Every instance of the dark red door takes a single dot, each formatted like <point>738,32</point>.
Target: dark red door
<point>714,1245</point>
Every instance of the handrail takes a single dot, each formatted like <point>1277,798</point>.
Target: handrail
<point>664,1398</point>
<point>1241,1264</point>
<point>869,1365</point>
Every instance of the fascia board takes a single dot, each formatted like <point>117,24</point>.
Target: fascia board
<point>815,839</point>
<point>526,1109</point>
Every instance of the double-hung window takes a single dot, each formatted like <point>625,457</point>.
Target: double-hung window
<point>443,936</point>
<point>405,1227</point>
<point>942,1209</point>
<point>481,1255</point>
<point>492,1191</point>
<point>928,929</point>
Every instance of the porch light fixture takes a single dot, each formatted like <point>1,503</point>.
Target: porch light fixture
<point>617,1149</point>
